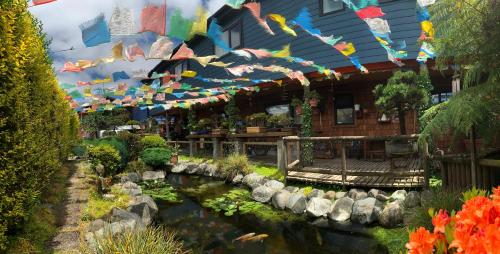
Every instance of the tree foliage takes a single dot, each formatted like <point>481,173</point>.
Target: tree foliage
<point>37,127</point>
<point>233,113</point>
<point>405,91</point>
<point>468,34</point>
<point>105,120</point>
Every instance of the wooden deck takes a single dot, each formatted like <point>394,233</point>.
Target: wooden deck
<point>408,173</point>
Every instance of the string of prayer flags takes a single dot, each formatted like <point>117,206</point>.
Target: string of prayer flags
<point>427,35</point>
<point>161,49</point>
<point>122,22</point>
<point>255,10</point>
<point>70,67</point>
<point>282,24</point>
<point>95,31</point>
<point>180,27</point>
<point>200,24</point>
<point>153,19</point>
<point>120,75</point>
<point>132,52</point>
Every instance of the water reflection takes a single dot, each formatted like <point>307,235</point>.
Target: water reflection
<point>205,231</point>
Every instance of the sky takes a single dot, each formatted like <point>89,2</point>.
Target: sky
<point>61,20</point>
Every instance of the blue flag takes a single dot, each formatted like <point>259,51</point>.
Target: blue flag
<point>120,75</point>
<point>95,31</point>
<point>215,34</point>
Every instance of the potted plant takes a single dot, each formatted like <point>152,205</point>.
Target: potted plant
<point>204,126</point>
<point>314,98</point>
<point>175,155</point>
<point>256,123</point>
<point>233,115</point>
<point>221,127</point>
<point>297,105</point>
<point>273,122</point>
<point>192,126</point>
<point>285,122</point>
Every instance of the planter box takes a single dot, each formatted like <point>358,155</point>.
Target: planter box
<point>256,129</point>
<point>219,131</point>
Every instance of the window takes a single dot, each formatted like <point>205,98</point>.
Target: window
<point>344,110</point>
<point>231,36</point>
<point>440,97</point>
<point>328,6</point>
<point>179,69</point>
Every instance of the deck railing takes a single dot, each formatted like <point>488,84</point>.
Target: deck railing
<point>457,173</point>
<point>349,160</point>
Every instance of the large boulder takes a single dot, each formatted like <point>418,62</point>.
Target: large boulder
<point>357,194</point>
<point>392,215</point>
<point>280,199</point>
<point>412,199</point>
<point>179,168</point>
<point>202,168</point>
<point>153,175</point>
<point>374,192</point>
<point>297,203</point>
<point>275,185</point>
<point>253,180</point>
<point>366,211</point>
<point>263,194</point>
<point>211,171</point>
<point>237,179</point>
<point>97,225</point>
<point>426,197</point>
<point>399,195</point>
<point>131,189</point>
<point>291,189</point>
<point>340,194</point>
<point>192,168</point>
<point>315,193</point>
<point>330,195</point>
<point>318,207</point>
<point>130,177</point>
<point>342,209</point>
<point>143,211</point>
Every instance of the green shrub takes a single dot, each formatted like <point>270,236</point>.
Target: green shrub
<point>119,145</point>
<point>234,164</point>
<point>137,166</point>
<point>152,141</point>
<point>132,141</point>
<point>105,155</point>
<point>148,241</point>
<point>440,199</point>
<point>156,157</point>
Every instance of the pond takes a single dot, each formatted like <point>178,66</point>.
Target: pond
<point>205,231</point>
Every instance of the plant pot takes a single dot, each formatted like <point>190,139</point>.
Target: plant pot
<point>313,102</point>
<point>256,129</point>
<point>219,131</point>
<point>174,159</point>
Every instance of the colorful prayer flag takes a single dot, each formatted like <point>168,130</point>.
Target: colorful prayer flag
<point>40,2</point>
<point>215,34</point>
<point>200,24</point>
<point>282,24</point>
<point>133,51</point>
<point>161,48</point>
<point>95,31</point>
<point>122,22</point>
<point>153,19</point>
<point>255,9</point>
<point>370,12</point>
<point>184,52</point>
<point>120,75</point>
<point>180,27</point>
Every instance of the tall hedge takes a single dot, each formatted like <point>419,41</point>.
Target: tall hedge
<point>36,124</point>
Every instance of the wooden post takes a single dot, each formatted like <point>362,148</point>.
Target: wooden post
<point>216,150</point>
<point>281,155</point>
<point>167,127</point>
<point>344,163</point>
<point>473,155</point>
<point>285,157</point>
<point>239,147</point>
<point>192,148</point>
<point>426,165</point>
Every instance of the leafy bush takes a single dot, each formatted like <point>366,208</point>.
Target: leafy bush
<point>119,145</point>
<point>105,155</point>
<point>152,141</point>
<point>132,141</point>
<point>280,120</point>
<point>137,166</point>
<point>257,119</point>
<point>156,157</point>
<point>234,164</point>
<point>148,241</point>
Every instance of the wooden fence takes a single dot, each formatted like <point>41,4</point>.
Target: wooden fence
<point>457,173</point>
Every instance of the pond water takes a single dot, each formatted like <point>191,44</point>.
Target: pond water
<point>206,231</point>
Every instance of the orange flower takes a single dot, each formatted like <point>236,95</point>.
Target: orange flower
<point>496,193</point>
<point>421,242</point>
<point>440,221</point>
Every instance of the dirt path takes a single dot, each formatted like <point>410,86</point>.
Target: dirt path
<point>68,238</point>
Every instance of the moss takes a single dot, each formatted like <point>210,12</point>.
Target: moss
<point>394,239</point>
<point>97,206</point>
<point>268,171</point>
<point>307,190</point>
<point>160,191</point>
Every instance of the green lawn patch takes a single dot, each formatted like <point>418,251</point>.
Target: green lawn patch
<point>268,171</point>
<point>394,239</point>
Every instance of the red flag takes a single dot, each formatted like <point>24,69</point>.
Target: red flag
<point>184,52</point>
<point>39,2</point>
<point>153,19</point>
<point>370,12</point>
<point>133,51</point>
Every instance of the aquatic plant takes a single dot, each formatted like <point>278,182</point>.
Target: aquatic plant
<point>160,190</point>
<point>234,164</point>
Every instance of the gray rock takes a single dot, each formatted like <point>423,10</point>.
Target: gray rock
<point>210,170</point>
<point>133,192</point>
<point>143,210</point>
<point>202,168</point>
<point>275,185</point>
<point>392,215</point>
<point>130,185</point>
<point>321,222</point>
<point>399,195</point>
<point>315,193</point>
<point>263,194</point>
<point>237,179</point>
<point>118,214</point>
<point>123,225</point>
<point>179,168</point>
<point>357,194</point>
<point>330,195</point>
<point>412,199</point>
<point>132,177</point>
<point>280,199</point>
<point>297,203</point>
<point>97,225</point>
<point>153,175</point>
<point>291,189</point>
<point>340,194</point>
<point>374,192</point>
<point>253,180</point>
<point>192,168</point>
<point>426,197</point>
<point>366,211</point>
<point>318,207</point>
<point>149,201</point>
<point>383,198</point>
<point>342,209</point>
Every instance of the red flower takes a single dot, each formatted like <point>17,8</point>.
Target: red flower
<point>421,242</point>
<point>440,221</point>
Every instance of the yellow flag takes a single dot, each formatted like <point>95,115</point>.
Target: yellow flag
<point>284,53</point>
<point>220,64</point>
<point>105,80</point>
<point>200,25</point>
<point>189,74</point>
<point>169,90</point>
<point>84,64</point>
<point>349,49</point>
<point>428,28</point>
<point>87,92</point>
<point>118,51</point>
<point>204,60</point>
<point>282,23</point>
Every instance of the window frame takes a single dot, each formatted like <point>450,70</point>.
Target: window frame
<point>322,9</point>
<point>335,115</point>
<point>183,64</point>
<point>228,29</point>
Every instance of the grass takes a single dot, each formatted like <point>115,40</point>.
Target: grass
<point>149,241</point>
<point>268,171</point>
<point>43,221</point>
<point>394,239</point>
<point>194,159</point>
<point>97,206</point>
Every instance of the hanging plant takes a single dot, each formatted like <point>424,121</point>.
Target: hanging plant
<point>297,105</point>
<point>314,98</point>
